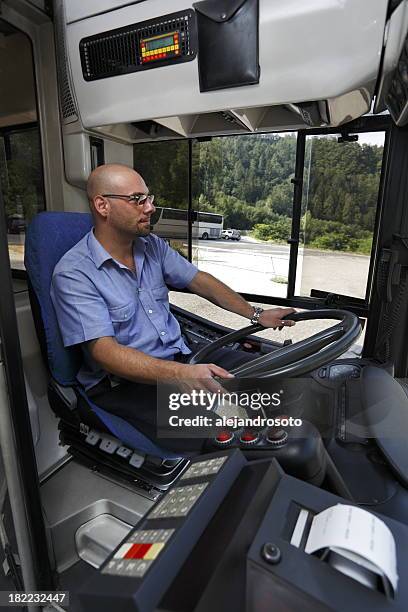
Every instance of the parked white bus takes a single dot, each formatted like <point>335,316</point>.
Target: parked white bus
<point>172,223</point>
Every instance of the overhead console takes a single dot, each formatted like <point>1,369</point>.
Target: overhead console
<point>218,66</point>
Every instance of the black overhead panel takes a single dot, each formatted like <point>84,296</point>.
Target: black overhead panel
<point>140,46</point>
<point>392,6</point>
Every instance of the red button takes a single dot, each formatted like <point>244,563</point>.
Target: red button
<point>247,436</point>
<point>137,551</point>
<point>224,437</point>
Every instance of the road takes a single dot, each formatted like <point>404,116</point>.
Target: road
<point>262,268</point>
<point>245,244</point>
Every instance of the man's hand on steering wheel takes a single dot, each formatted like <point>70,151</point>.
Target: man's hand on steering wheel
<point>274,318</point>
<point>202,376</point>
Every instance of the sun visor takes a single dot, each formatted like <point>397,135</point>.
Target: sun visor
<point>228,42</point>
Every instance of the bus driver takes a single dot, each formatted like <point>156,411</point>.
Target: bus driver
<point>110,296</point>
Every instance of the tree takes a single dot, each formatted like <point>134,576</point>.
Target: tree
<point>248,180</point>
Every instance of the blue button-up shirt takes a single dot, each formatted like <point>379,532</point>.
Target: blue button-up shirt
<point>95,296</point>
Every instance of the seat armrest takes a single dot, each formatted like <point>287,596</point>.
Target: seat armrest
<point>66,394</point>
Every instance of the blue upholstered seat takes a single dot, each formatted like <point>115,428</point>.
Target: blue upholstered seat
<point>49,236</point>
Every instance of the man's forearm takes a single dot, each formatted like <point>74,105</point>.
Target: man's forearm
<point>132,364</point>
<point>209,287</point>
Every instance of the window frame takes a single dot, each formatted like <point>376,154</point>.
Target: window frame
<point>96,151</point>
<point>318,299</point>
<point>324,299</point>
<point>17,272</point>
<point>5,132</point>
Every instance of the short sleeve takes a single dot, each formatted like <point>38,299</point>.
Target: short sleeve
<point>81,311</point>
<point>177,270</point>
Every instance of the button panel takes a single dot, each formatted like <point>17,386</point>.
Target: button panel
<point>143,565</point>
<point>204,468</point>
<point>178,502</point>
<point>134,557</point>
<point>160,47</point>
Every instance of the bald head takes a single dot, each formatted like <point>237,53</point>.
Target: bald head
<point>109,178</point>
<point>108,188</point>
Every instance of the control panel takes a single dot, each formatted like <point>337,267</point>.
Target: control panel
<point>139,551</point>
<point>160,47</point>
<point>140,46</point>
<point>179,501</point>
<point>144,564</point>
<point>339,372</point>
<point>299,449</point>
<point>246,537</point>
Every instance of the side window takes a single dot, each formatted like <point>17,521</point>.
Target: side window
<point>21,172</point>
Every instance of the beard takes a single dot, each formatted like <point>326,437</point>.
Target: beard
<point>144,229</point>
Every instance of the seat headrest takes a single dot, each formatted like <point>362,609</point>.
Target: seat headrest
<point>49,236</point>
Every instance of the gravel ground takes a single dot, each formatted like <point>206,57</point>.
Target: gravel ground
<point>205,309</point>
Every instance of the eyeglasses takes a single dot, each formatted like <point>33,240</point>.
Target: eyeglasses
<point>136,198</point>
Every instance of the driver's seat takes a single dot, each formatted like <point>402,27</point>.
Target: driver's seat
<point>93,434</point>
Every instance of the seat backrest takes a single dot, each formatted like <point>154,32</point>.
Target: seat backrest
<point>49,236</point>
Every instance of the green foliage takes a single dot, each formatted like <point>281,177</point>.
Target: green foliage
<point>364,245</point>
<point>279,231</point>
<point>248,180</point>
<point>21,176</point>
<point>334,236</point>
<point>164,166</point>
<point>342,181</point>
<point>318,234</point>
<point>334,242</point>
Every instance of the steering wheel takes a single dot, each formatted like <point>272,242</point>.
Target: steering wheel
<point>294,359</point>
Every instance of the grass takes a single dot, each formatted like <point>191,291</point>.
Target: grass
<point>279,279</point>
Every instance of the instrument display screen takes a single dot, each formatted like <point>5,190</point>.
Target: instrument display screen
<point>159,42</point>
<point>160,47</point>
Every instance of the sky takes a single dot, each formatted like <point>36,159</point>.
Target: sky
<point>374,138</point>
